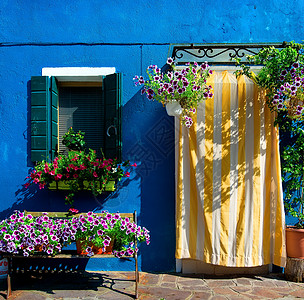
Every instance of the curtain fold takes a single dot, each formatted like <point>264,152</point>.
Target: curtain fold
<point>229,204</point>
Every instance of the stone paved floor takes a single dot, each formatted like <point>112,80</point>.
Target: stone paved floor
<point>120,285</point>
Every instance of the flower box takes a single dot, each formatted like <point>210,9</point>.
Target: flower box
<point>63,185</point>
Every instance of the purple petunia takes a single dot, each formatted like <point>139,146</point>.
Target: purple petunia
<point>170,61</point>
<point>295,65</point>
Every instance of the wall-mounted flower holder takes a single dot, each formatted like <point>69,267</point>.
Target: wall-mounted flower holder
<point>63,185</point>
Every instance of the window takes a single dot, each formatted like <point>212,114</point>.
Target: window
<point>94,108</point>
<point>82,108</point>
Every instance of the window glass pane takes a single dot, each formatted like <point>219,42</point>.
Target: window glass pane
<point>83,109</point>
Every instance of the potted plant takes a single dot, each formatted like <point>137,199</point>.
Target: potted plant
<point>74,140</point>
<point>282,75</point>
<point>292,158</point>
<point>78,170</point>
<point>182,89</point>
<point>25,234</point>
<point>108,233</point>
<point>93,233</point>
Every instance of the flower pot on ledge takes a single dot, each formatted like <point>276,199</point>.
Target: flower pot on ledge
<point>63,185</point>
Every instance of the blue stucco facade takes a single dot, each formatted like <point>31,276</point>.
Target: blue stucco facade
<point>129,36</point>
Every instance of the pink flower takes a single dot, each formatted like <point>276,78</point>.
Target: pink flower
<point>58,176</point>
<point>52,172</point>
<point>75,175</point>
<point>134,165</point>
<point>95,174</point>
<point>127,174</point>
<point>26,185</point>
<point>73,210</point>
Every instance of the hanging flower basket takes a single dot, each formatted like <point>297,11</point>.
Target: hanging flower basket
<point>187,88</point>
<point>174,109</point>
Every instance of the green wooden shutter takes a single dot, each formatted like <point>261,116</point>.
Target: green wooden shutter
<point>54,117</point>
<point>112,92</point>
<point>44,117</point>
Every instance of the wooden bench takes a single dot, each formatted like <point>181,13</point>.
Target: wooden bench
<point>67,254</point>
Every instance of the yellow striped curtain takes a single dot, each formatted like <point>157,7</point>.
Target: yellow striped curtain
<point>229,206</point>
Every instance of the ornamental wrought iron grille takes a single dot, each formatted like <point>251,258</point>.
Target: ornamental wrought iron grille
<point>215,54</point>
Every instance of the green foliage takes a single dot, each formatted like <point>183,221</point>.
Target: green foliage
<point>25,234</point>
<point>77,167</point>
<point>281,75</point>
<point>187,86</point>
<point>292,159</point>
<point>99,230</point>
<point>74,140</point>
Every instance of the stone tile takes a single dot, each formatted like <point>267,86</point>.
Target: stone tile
<point>113,295</point>
<point>238,297</point>
<point>265,292</point>
<point>295,285</point>
<point>253,297</point>
<point>224,291</point>
<point>263,283</point>
<point>24,295</point>
<point>218,298</point>
<point>160,292</point>
<point>201,295</point>
<point>171,285</point>
<point>219,282</point>
<point>193,288</point>
<point>149,279</point>
<point>189,279</point>
<point>62,294</point>
<point>169,278</point>
<point>282,291</point>
<point>298,293</point>
<point>242,281</point>
<point>241,289</point>
<point>281,283</point>
<point>192,284</point>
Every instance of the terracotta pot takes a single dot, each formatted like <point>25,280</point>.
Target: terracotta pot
<point>295,242</point>
<point>38,248</point>
<point>95,249</point>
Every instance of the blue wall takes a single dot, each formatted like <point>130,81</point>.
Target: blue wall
<point>131,35</point>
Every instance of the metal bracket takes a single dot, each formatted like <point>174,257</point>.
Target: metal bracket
<point>216,54</point>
